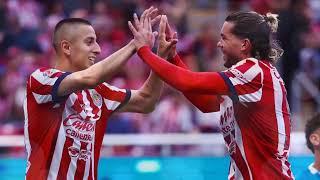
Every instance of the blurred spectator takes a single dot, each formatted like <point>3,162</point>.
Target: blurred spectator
<point>312,131</point>
<point>294,22</point>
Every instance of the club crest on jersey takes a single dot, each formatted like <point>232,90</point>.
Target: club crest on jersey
<point>97,99</point>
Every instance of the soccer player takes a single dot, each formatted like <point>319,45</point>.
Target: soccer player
<point>250,95</point>
<point>67,107</point>
<point>312,132</point>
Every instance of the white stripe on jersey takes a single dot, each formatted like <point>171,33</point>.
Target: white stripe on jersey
<point>42,98</point>
<point>111,105</point>
<point>238,138</point>
<point>247,77</point>
<point>231,169</point>
<point>88,109</point>
<point>113,88</point>
<point>278,99</point>
<point>252,97</point>
<point>73,161</point>
<point>93,156</point>
<point>87,167</point>
<point>38,75</point>
<point>26,131</point>
<point>55,163</point>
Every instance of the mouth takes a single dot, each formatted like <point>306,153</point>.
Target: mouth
<point>92,59</point>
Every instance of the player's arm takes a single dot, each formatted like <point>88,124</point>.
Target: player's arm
<point>205,103</point>
<point>182,79</point>
<point>97,73</point>
<point>167,49</point>
<point>144,99</point>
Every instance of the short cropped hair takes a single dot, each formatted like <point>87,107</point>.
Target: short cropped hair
<point>312,125</point>
<point>61,24</point>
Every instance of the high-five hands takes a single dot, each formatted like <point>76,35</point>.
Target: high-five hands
<point>142,29</point>
<point>167,39</point>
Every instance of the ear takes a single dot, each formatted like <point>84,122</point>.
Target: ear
<point>65,47</point>
<point>246,45</point>
<point>314,139</point>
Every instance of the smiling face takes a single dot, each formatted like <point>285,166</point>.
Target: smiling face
<point>230,45</point>
<point>83,47</point>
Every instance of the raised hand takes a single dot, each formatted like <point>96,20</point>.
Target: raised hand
<point>142,31</point>
<point>167,39</point>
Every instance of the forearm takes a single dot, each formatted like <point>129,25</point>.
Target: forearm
<point>151,91</point>
<point>181,79</point>
<point>108,67</point>
<point>205,103</point>
<point>176,60</point>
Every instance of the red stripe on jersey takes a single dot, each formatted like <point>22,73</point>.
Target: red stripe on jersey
<point>43,69</point>
<point>241,164</point>
<point>109,94</point>
<point>77,104</point>
<point>245,66</point>
<point>249,87</point>
<point>54,75</point>
<point>63,169</point>
<point>39,88</point>
<point>95,109</point>
<point>57,74</point>
<point>81,164</point>
<point>229,74</point>
<point>90,171</point>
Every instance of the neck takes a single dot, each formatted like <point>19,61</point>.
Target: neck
<point>317,160</point>
<point>63,64</point>
<point>245,56</point>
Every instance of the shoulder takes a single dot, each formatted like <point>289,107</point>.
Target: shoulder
<point>245,69</point>
<point>46,72</point>
<point>110,87</point>
<point>245,63</point>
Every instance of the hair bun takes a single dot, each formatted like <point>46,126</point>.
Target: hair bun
<point>272,20</point>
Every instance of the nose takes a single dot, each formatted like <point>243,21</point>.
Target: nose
<point>97,49</point>
<point>219,44</point>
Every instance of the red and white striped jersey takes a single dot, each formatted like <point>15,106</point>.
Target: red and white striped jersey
<point>255,121</point>
<point>63,135</point>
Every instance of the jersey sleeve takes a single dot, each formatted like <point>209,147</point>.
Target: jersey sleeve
<point>244,81</point>
<point>113,97</point>
<point>44,83</point>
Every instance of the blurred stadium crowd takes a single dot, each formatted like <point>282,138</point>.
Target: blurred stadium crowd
<point>25,44</point>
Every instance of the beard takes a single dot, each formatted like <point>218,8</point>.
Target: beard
<point>230,61</point>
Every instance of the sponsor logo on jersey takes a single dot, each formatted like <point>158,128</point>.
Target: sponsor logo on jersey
<point>77,123</point>
<point>226,120</point>
<point>84,155</point>
<point>80,154</point>
<point>77,128</point>
<point>73,151</point>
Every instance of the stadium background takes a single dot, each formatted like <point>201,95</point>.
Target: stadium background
<point>25,44</point>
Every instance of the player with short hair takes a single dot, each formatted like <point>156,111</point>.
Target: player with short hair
<point>67,107</point>
<point>312,133</point>
<point>250,95</point>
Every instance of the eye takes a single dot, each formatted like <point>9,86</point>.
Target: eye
<point>89,41</point>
